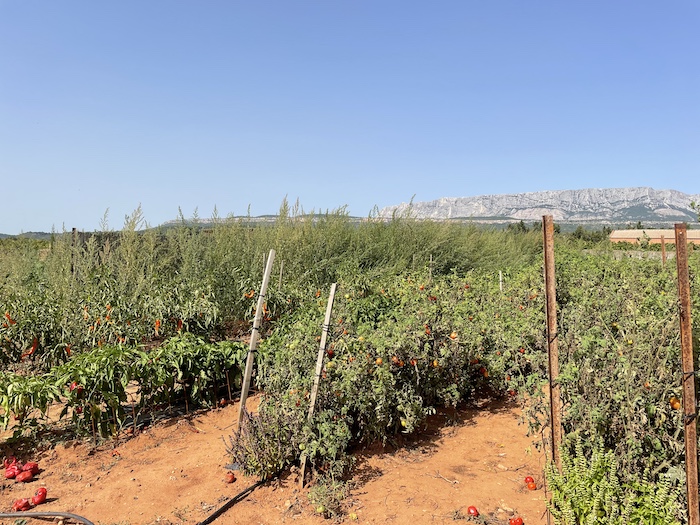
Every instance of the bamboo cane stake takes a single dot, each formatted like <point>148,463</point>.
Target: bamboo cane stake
<point>552,338</point>
<point>73,244</point>
<point>317,377</point>
<point>663,251</point>
<point>689,401</point>
<point>255,333</point>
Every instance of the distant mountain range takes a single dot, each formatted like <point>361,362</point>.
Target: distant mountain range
<point>590,207</point>
<point>593,208</point>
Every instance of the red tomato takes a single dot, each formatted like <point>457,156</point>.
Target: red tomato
<point>10,461</point>
<point>529,479</point>
<point>74,386</point>
<point>12,471</point>
<point>32,467</point>
<point>39,497</point>
<point>24,477</point>
<point>20,505</point>
<point>230,477</point>
<point>532,486</point>
<point>472,511</point>
<point>517,520</point>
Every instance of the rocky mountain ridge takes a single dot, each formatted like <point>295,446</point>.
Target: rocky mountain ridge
<point>612,206</point>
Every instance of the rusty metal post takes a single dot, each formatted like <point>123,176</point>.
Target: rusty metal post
<point>689,401</point>
<point>552,338</point>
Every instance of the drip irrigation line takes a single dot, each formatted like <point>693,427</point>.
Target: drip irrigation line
<point>46,515</point>
<point>238,497</point>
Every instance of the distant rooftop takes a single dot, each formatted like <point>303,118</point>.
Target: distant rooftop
<point>652,236</point>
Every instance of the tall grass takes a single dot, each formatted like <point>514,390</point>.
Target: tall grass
<point>112,286</point>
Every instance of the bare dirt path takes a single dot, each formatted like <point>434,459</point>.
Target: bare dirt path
<point>173,473</point>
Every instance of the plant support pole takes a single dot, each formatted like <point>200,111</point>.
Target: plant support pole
<point>663,251</point>
<point>254,335</point>
<point>319,368</point>
<point>689,401</point>
<point>552,338</point>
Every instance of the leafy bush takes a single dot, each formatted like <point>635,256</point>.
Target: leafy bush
<point>588,491</point>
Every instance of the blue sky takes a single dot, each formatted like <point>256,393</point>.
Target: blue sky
<point>195,104</point>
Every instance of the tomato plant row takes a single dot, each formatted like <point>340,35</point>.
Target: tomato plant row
<point>110,385</point>
<point>410,333</point>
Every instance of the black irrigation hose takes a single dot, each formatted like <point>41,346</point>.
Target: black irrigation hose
<point>230,503</point>
<point>44,515</point>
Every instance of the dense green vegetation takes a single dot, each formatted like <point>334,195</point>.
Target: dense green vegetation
<point>427,314</point>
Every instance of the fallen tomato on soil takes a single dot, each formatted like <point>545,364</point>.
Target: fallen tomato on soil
<point>532,486</point>
<point>517,520</point>
<point>39,497</point>
<point>230,477</point>
<point>12,471</point>
<point>21,505</point>
<point>31,466</point>
<point>529,479</point>
<point>472,511</point>
<point>24,477</point>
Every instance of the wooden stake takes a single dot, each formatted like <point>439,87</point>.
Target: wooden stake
<point>133,415</point>
<point>73,243</point>
<point>187,405</point>
<point>317,377</point>
<point>689,401</point>
<point>552,338</point>
<point>94,431</point>
<point>663,251</point>
<point>255,333</point>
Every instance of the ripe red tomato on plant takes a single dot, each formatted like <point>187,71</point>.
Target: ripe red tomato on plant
<point>78,389</point>
<point>472,511</point>
<point>517,520</point>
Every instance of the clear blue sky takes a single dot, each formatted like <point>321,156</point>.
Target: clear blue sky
<point>194,104</point>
